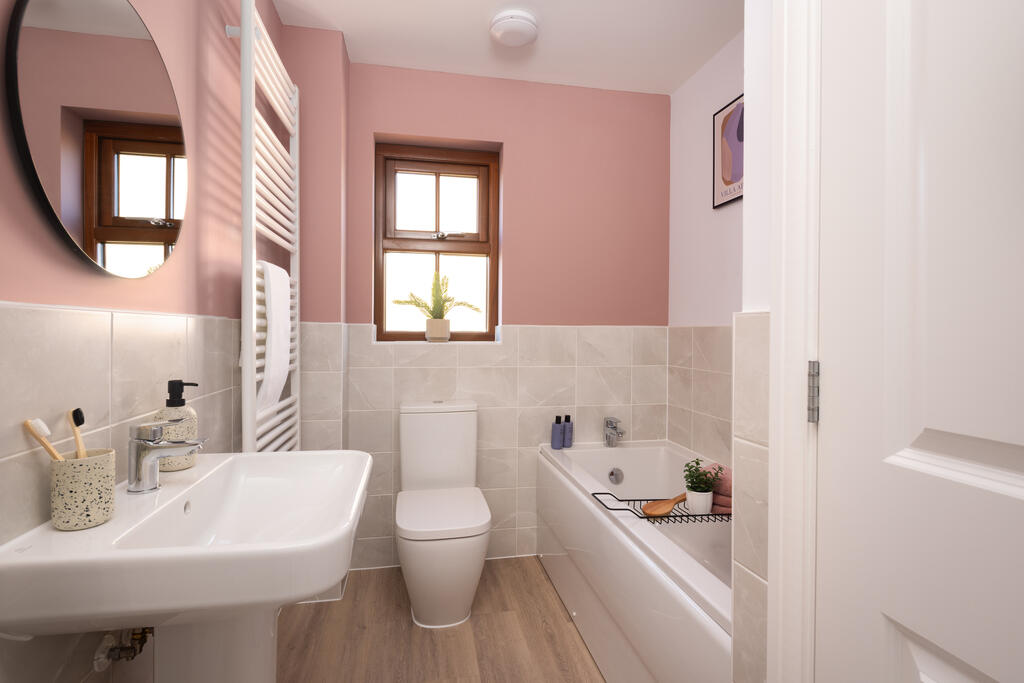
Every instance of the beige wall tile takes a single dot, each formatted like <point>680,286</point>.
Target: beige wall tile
<point>321,395</point>
<point>526,507</point>
<point>541,386</point>
<point>712,348</point>
<point>650,346</point>
<point>321,435</point>
<point>526,541</point>
<point>370,389</point>
<point>602,345</point>
<point>364,352</point>
<point>496,428</point>
<point>322,347</point>
<point>147,351</point>
<point>52,360</point>
<point>680,346</point>
<point>502,503</point>
<point>378,518</point>
<point>382,478</point>
<point>502,543</point>
<point>751,376</point>
<point>712,438</point>
<point>590,422</point>
<point>750,506</point>
<point>418,385</point>
<point>526,468</point>
<point>680,387</point>
<point>749,627</point>
<point>496,468</point>
<point>370,431</point>
<point>426,355</point>
<point>680,426</point>
<point>649,422</point>
<point>370,553</point>
<point>489,387</point>
<point>712,394</point>
<point>547,346</point>
<point>648,384</point>
<point>534,424</point>
<point>211,357</point>
<point>214,413</point>
<point>602,385</point>
<point>500,353</point>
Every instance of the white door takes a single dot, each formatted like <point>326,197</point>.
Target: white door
<point>920,536</point>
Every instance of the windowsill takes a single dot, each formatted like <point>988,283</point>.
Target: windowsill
<point>497,341</point>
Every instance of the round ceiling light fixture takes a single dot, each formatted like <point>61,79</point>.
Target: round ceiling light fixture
<point>514,27</point>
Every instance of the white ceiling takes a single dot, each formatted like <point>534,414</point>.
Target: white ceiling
<point>100,17</point>
<point>639,45</point>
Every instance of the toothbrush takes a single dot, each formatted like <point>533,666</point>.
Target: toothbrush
<point>38,429</point>
<point>76,418</point>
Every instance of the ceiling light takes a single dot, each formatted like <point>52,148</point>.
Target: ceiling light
<point>514,28</point>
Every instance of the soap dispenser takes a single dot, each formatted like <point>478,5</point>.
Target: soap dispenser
<point>186,430</point>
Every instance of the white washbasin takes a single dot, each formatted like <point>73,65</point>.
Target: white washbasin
<point>237,535</point>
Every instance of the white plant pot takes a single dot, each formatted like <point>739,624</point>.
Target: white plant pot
<point>698,503</point>
<point>439,330</point>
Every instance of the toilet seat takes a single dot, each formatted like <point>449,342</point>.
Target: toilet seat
<point>436,514</point>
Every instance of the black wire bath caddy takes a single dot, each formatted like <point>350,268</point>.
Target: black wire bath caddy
<point>677,516</point>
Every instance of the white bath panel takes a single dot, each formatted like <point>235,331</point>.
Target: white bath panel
<point>920,661</point>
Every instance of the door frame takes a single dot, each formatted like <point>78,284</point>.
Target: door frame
<point>795,225</point>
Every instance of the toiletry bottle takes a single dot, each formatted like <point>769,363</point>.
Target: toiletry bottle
<point>567,432</point>
<point>186,430</point>
<point>557,433</point>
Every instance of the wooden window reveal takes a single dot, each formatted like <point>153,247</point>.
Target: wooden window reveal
<point>475,233</point>
<point>103,141</point>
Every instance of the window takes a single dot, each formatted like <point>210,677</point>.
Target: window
<point>436,212</point>
<point>135,183</point>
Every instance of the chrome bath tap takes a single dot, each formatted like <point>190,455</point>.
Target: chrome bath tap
<point>612,433</point>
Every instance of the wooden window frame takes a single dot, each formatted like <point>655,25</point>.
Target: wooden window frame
<point>101,141</point>
<point>484,165</point>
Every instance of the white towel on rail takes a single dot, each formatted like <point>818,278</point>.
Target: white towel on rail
<point>277,287</point>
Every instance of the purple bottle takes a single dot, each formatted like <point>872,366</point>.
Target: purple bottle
<point>557,433</point>
<point>567,432</point>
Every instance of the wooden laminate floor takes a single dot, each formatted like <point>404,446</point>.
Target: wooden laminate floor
<point>519,631</point>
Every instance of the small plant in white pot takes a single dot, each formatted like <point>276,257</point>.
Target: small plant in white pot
<point>700,486</point>
<point>440,304</point>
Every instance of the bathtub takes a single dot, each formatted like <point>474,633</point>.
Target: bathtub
<point>653,602</point>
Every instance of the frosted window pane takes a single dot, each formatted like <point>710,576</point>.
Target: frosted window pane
<point>141,186</point>
<point>132,260</point>
<point>467,281</point>
<point>414,201</point>
<point>458,204</point>
<point>405,273</point>
<point>179,192</point>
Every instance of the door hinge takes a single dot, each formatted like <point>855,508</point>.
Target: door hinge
<point>813,390</point>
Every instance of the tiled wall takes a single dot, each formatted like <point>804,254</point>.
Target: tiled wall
<point>700,390</point>
<point>114,366</point>
<point>520,383</point>
<point>750,498</point>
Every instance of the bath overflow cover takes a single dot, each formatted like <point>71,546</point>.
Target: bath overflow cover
<point>615,475</point>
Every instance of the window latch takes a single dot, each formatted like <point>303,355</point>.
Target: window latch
<point>440,235</point>
<point>161,223</point>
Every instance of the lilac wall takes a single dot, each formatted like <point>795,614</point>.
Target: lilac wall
<point>706,269</point>
<point>585,189</point>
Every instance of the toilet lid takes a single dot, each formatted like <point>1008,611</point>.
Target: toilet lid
<point>435,514</point>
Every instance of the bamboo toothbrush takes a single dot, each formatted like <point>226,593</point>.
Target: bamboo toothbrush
<point>38,429</point>
<point>76,418</point>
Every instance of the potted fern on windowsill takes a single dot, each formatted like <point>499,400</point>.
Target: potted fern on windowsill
<point>700,486</point>
<point>436,310</point>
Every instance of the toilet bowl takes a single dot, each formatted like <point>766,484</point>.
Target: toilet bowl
<point>442,539</point>
<point>442,521</point>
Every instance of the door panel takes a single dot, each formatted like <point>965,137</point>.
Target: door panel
<point>921,440</point>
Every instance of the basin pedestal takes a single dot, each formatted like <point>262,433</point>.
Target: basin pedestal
<point>241,647</point>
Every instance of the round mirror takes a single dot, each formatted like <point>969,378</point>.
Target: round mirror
<point>98,130</point>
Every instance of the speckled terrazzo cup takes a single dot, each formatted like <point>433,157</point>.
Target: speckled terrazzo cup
<point>82,490</point>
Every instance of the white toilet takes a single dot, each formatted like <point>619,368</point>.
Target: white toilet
<point>442,520</point>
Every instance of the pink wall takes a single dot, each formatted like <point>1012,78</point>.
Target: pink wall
<point>203,274</point>
<point>318,63</point>
<point>585,189</point>
<point>58,69</point>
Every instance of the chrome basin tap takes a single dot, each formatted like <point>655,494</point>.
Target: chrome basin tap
<point>147,448</point>
<point>612,433</point>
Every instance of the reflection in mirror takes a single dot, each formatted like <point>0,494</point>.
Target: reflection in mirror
<point>97,114</point>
